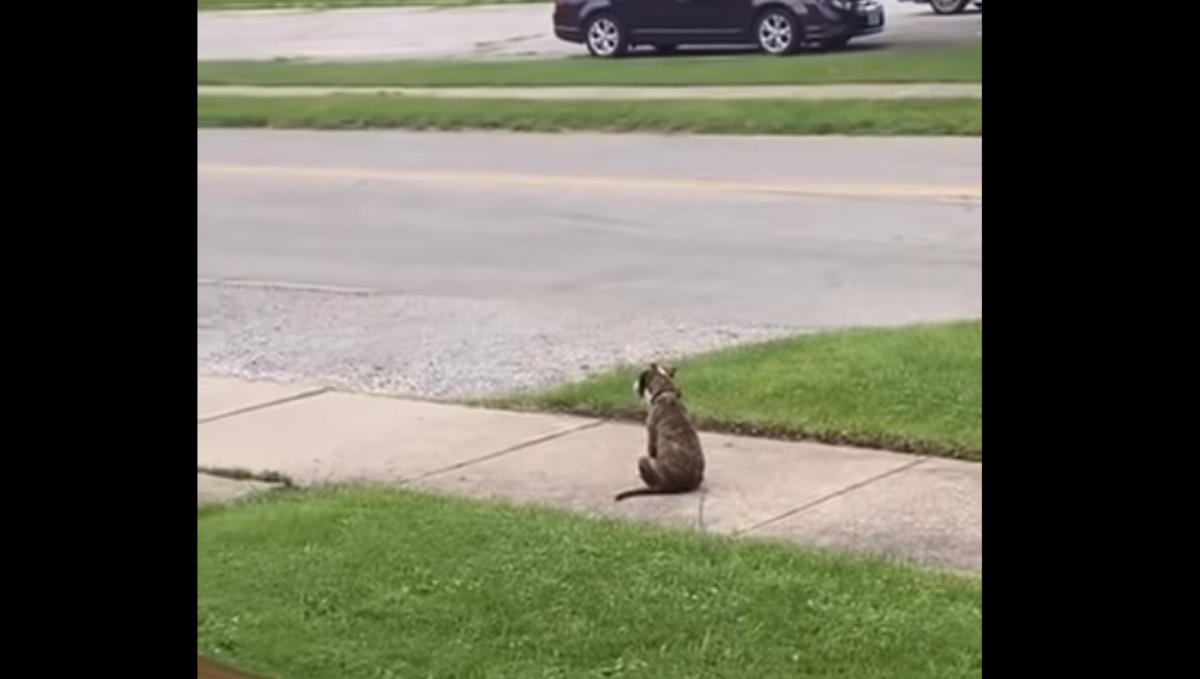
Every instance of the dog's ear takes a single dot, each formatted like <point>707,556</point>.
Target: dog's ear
<point>670,371</point>
<point>639,383</point>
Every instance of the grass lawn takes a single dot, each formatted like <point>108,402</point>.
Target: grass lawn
<point>963,117</point>
<point>363,584</point>
<point>915,389</point>
<point>957,64</point>
<point>210,5</point>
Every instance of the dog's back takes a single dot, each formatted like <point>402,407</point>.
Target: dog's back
<point>677,443</point>
<point>674,441</point>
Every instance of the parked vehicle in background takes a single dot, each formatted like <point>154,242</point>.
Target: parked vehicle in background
<point>609,28</point>
<point>949,6</point>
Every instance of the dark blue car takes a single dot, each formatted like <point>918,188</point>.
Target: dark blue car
<point>609,28</point>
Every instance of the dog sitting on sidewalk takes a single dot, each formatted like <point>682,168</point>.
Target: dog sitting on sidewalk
<point>674,462</point>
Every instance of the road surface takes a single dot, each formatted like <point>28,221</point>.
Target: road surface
<point>508,31</point>
<point>452,264</point>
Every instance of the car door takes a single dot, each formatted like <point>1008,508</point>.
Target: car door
<point>648,19</point>
<point>717,20</point>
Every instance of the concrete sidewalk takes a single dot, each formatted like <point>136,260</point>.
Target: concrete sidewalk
<point>831,91</point>
<point>926,510</point>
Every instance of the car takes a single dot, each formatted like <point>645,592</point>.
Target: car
<point>610,28</point>
<point>949,6</point>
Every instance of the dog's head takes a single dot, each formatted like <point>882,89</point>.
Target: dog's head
<point>653,381</point>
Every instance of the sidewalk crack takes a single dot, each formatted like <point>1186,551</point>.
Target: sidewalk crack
<point>259,406</point>
<point>821,500</point>
<point>505,451</point>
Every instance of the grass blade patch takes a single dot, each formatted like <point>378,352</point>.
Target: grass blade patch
<point>954,64</point>
<point>370,583</point>
<point>915,389</point>
<point>963,117</point>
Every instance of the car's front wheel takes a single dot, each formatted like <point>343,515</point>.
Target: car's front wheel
<point>605,37</point>
<point>777,32</point>
<point>948,6</point>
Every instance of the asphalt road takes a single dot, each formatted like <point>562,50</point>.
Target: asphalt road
<point>454,264</point>
<point>506,31</point>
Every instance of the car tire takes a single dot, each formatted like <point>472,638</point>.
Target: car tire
<point>949,6</point>
<point>605,36</point>
<point>777,32</point>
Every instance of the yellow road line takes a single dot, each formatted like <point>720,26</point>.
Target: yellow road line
<point>954,194</point>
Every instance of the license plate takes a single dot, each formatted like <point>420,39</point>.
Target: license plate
<point>874,19</point>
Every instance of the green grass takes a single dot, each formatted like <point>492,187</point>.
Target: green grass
<point>958,64</point>
<point>364,584</point>
<point>962,117</point>
<point>914,389</point>
<point>211,5</point>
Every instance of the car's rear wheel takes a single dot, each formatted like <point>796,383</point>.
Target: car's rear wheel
<point>777,31</point>
<point>605,36</point>
<point>948,6</point>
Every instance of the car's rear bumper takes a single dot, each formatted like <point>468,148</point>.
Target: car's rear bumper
<point>568,33</point>
<point>567,22</point>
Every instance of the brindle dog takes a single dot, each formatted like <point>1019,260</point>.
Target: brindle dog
<point>674,460</point>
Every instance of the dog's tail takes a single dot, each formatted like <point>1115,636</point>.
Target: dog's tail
<point>648,491</point>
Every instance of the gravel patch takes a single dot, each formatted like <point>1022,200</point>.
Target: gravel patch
<point>433,347</point>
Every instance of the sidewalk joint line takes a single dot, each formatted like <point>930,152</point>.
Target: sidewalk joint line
<point>505,451</point>
<point>821,500</point>
<point>259,406</point>
<point>283,285</point>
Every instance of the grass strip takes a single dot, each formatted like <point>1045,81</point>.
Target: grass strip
<point>946,65</point>
<point>368,583</point>
<point>958,117</point>
<point>915,389</point>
